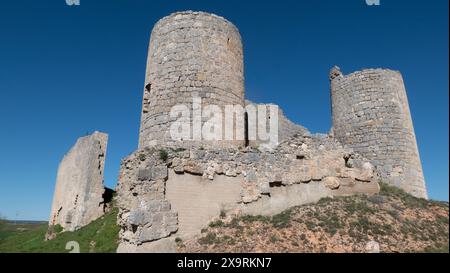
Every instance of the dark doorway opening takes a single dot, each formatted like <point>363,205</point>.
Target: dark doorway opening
<point>246,129</point>
<point>107,196</point>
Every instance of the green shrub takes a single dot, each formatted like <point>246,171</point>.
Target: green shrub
<point>163,155</point>
<point>407,199</point>
<point>179,150</point>
<point>217,223</point>
<point>439,248</point>
<point>209,239</point>
<point>273,239</point>
<point>325,200</point>
<point>303,237</point>
<point>58,228</point>
<point>142,157</point>
<point>331,224</point>
<point>282,220</point>
<point>229,240</point>
<point>234,224</point>
<point>255,218</point>
<point>223,214</point>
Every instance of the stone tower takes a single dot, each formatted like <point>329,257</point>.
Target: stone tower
<point>191,54</point>
<point>371,115</point>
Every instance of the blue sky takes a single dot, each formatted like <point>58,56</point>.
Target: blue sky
<point>66,71</point>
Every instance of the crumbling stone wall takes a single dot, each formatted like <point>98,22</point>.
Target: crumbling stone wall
<point>78,197</point>
<point>371,115</point>
<point>145,214</point>
<point>286,128</point>
<point>165,193</point>
<point>191,54</point>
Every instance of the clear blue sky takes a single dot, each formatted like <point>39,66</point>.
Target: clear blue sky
<point>65,71</point>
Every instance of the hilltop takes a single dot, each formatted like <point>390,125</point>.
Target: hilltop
<point>396,220</point>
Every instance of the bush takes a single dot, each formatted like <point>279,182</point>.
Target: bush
<point>217,223</point>
<point>282,220</point>
<point>331,224</point>
<point>209,239</point>
<point>229,240</point>
<point>377,199</point>
<point>179,150</point>
<point>163,155</point>
<point>142,157</point>
<point>325,200</point>
<point>223,214</point>
<point>407,199</point>
<point>57,228</point>
<point>440,248</point>
<point>234,224</point>
<point>273,239</point>
<point>251,218</point>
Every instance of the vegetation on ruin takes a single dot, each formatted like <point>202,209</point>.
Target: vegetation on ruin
<point>163,155</point>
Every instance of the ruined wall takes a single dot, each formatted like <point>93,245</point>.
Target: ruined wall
<point>371,115</point>
<point>79,184</point>
<point>190,54</point>
<point>164,193</point>
<point>198,200</point>
<point>286,128</point>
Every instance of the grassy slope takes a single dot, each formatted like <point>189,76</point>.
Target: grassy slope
<point>398,221</point>
<point>99,236</point>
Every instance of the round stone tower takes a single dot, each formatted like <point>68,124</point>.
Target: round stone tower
<point>371,115</point>
<point>191,55</point>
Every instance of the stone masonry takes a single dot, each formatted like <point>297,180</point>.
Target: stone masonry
<point>174,192</point>
<point>191,54</point>
<point>371,115</point>
<point>286,128</point>
<point>173,188</point>
<point>78,197</point>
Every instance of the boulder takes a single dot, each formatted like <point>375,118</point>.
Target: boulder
<point>331,182</point>
<point>372,247</point>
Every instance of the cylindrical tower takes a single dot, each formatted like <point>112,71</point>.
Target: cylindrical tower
<point>191,54</point>
<point>371,115</point>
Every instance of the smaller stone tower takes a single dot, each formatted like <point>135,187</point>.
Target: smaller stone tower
<point>371,115</point>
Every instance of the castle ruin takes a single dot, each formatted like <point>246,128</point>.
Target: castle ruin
<point>79,191</point>
<point>172,188</point>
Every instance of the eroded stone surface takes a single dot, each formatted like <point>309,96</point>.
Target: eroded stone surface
<point>371,115</point>
<point>78,197</point>
<point>178,195</point>
<point>191,54</point>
